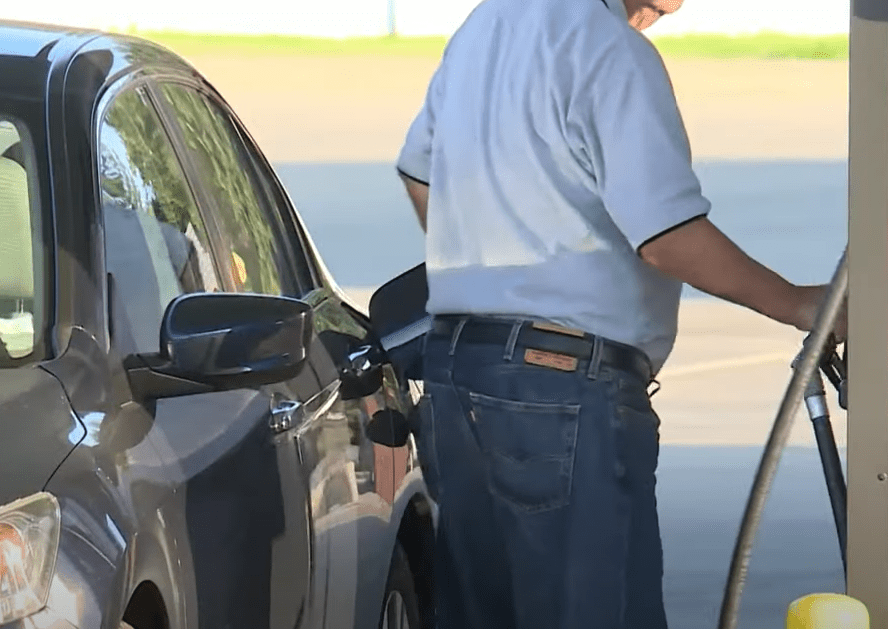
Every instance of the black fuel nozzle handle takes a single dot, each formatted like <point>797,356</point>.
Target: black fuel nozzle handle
<point>829,348</point>
<point>832,366</point>
<point>838,373</point>
<point>832,370</point>
<point>835,368</point>
<point>843,387</point>
<point>843,362</point>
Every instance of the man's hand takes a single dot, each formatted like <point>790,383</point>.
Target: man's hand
<point>699,254</point>
<point>810,300</point>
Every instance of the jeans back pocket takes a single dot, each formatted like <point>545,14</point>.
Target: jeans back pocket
<point>529,447</point>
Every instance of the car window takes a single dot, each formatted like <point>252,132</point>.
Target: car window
<point>249,228</point>
<point>156,244</point>
<point>17,259</point>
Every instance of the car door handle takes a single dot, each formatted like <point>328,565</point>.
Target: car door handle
<point>289,414</point>
<point>286,415</point>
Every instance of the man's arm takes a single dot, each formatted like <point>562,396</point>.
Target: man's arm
<point>414,163</point>
<point>699,254</point>
<point>641,157</point>
<point>419,196</point>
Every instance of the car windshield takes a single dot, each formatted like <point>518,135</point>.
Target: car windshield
<point>17,289</point>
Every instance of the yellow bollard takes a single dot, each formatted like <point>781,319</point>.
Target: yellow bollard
<point>827,611</point>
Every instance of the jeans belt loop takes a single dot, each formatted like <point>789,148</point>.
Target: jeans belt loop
<point>595,359</point>
<point>513,340</point>
<point>456,332</point>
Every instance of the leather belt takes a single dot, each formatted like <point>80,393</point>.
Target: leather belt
<point>546,339</point>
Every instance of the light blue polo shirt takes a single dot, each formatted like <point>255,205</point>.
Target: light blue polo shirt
<point>554,148</point>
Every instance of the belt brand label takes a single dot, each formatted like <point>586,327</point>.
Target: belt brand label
<point>557,329</point>
<point>550,359</point>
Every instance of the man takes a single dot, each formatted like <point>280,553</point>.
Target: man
<point>551,171</point>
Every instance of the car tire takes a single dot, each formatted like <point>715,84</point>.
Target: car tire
<point>400,605</point>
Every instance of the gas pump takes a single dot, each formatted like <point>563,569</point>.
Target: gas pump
<point>860,508</point>
<point>819,354</point>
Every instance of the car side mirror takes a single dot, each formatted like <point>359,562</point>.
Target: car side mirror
<point>222,341</point>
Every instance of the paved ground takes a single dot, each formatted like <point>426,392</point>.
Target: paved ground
<point>352,109</point>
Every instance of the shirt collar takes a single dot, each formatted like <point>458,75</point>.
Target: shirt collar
<point>617,8</point>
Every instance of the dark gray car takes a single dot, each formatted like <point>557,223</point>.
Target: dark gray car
<point>185,394</point>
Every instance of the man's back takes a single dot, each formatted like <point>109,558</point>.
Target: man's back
<point>517,223</point>
<point>551,171</point>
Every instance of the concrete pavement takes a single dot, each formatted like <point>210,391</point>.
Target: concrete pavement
<point>356,109</point>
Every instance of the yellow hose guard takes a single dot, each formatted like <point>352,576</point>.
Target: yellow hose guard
<point>827,611</point>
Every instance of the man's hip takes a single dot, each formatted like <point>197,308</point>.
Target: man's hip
<point>525,390</point>
<point>546,455</point>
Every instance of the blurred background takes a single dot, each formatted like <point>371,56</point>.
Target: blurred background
<point>328,90</point>
<point>368,18</point>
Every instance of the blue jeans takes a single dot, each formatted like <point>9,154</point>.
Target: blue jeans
<point>545,482</point>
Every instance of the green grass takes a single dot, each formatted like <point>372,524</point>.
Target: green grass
<point>187,43</point>
<point>759,46</point>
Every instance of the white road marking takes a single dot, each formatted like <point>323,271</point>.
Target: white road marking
<point>728,363</point>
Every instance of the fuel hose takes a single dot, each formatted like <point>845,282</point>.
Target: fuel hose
<point>807,365</point>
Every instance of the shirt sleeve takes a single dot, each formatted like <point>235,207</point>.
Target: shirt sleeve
<point>415,158</point>
<point>638,145</point>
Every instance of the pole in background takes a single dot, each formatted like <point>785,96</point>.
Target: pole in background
<point>392,25</point>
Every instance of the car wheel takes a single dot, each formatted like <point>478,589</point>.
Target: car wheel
<point>400,605</point>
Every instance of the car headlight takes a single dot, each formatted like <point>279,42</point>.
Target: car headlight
<point>29,542</point>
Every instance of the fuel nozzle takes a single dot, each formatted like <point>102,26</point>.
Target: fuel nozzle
<point>842,366</point>
<point>834,367</point>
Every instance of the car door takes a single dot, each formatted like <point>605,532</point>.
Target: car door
<point>351,481</point>
<point>237,510</point>
<point>258,255</point>
<point>357,479</point>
